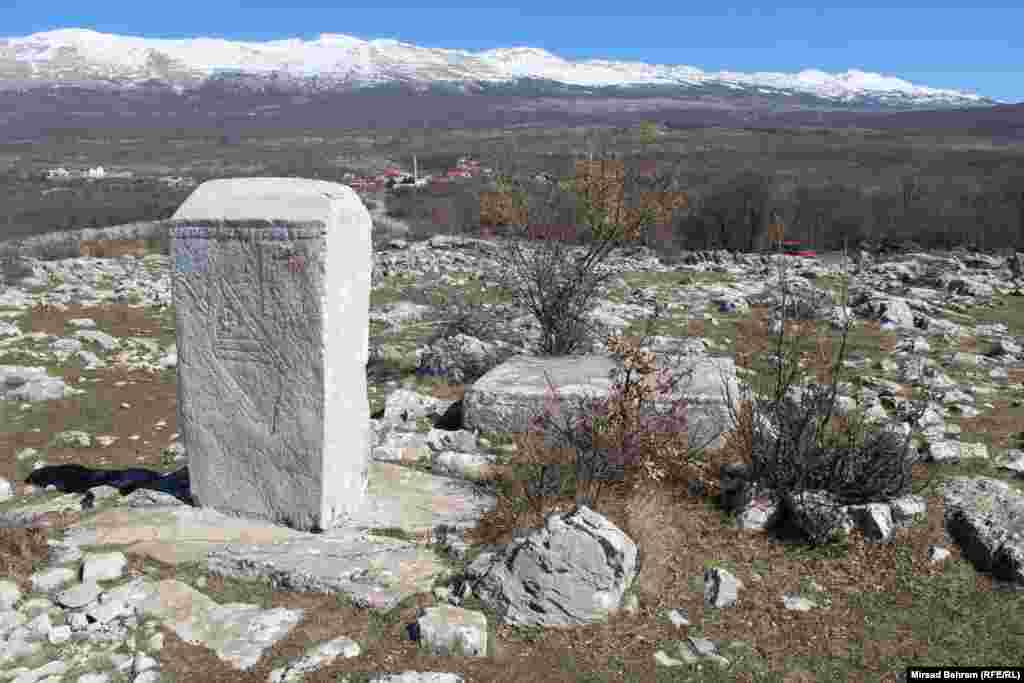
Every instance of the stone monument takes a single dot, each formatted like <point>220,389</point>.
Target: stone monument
<point>271,286</point>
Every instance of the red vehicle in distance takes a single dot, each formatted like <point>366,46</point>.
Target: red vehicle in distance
<point>792,248</point>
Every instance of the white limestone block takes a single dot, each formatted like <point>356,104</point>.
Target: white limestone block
<point>271,285</point>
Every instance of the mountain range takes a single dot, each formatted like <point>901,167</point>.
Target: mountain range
<point>79,78</point>
<point>338,62</point>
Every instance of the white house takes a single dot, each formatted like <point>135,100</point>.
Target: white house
<point>97,172</point>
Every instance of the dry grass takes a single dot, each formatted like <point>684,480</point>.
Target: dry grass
<point>112,248</point>
<point>968,343</point>
<point>678,538</point>
<point>1001,425</point>
<point>1015,376</point>
<point>151,398</point>
<point>696,328</point>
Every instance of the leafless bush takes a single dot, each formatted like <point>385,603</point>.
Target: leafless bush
<point>799,445</point>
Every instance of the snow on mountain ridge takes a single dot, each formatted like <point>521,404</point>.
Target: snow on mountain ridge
<point>54,54</point>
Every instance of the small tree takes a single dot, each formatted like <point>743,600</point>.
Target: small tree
<point>557,290</point>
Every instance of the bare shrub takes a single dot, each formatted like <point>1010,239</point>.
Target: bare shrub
<point>559,291</point>
<point>796,446</point>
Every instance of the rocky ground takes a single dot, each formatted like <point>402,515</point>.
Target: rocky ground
<point>100,333</point>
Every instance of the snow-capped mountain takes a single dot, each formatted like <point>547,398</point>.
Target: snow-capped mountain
<point>337,62</point>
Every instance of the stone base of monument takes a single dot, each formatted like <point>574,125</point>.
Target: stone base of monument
<point>376,571</point>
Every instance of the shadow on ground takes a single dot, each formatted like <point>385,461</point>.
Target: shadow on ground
<point>79,479</point>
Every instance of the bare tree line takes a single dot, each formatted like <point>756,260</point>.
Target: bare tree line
<point>932,213</point>
<point>862,186</point>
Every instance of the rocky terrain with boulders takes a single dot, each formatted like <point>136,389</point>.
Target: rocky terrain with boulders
<point>931,307</point>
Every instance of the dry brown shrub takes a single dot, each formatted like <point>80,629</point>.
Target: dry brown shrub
<point>737,446</point>
<point>20,550</point>
<point>499,524</point>
<point>501,208</point>
<point>659,457</point>
<point>650,523</point>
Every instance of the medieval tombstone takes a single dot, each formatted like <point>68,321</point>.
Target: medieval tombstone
<point>271,286</point>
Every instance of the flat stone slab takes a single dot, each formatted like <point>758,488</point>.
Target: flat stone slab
<point>238,633</point>
<point>173,534</point>
<point>375,571</point>
<point>417,501</point>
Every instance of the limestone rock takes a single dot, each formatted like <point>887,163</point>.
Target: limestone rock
<point>509,395</point>
<point>573,571</point>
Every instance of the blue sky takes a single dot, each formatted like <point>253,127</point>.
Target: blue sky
<point>976,48</point>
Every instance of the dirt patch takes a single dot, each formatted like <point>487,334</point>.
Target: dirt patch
<point>138,407</point>
<point>112,248</point>
<point>135,407</point>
